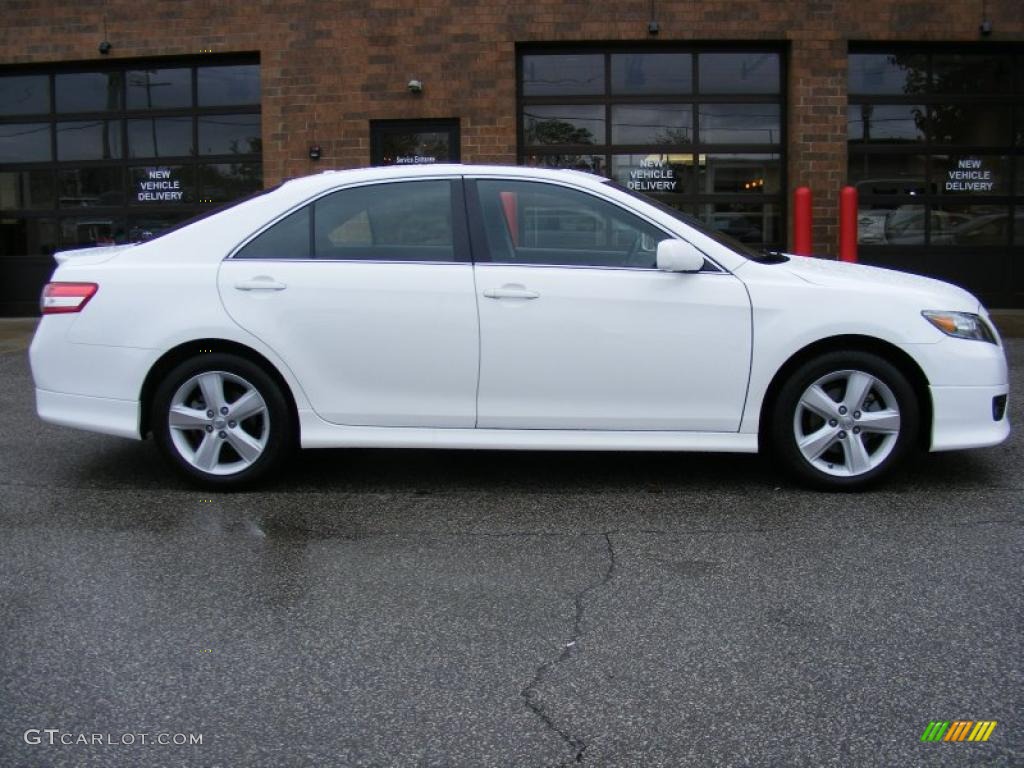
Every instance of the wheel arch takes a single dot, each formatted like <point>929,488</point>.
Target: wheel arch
<point>196,348</point>
<point>854,343</point>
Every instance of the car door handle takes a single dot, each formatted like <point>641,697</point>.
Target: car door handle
<point>261,283</point>
<point>510,292</point>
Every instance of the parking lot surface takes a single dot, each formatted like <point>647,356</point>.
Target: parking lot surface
<point>408,608</point>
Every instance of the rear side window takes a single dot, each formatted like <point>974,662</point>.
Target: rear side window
<point>404,221</point>
<point>398,221</point>
<point>288,239</point>
<point>528,222</point>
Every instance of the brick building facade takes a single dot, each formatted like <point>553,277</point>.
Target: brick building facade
<point>327,69</point>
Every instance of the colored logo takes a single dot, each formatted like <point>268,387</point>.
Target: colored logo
<point>958,730</point>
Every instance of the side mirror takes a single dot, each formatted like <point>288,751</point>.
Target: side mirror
<point>679,256</point>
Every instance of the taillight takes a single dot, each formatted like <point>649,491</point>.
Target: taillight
<point>58,298</point>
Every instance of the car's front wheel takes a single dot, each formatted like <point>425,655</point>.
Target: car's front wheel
<point>845,419</point>
<point>221,420</point>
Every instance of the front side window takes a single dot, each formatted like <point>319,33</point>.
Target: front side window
<point>545,224</point>
<point>400,221</point>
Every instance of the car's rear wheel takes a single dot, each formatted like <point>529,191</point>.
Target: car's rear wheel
<point>221,420</point>
<point>844,420</point>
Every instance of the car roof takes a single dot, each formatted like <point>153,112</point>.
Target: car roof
<point>333,178</point>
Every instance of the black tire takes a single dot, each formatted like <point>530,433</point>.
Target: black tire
<point>271,429</point>
<point>860,451</point>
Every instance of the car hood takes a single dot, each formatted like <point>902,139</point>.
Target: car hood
<point>838,274</point>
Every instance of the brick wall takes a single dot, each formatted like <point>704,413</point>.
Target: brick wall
<point>330,67</point>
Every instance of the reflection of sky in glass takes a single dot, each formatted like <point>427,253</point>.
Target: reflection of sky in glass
<point>889,122</point>
<point>88,92</point>
<point>739,123</point>
<point>652,124</point>
<point>559,75</point>
<point>229,134</point>
<point>159,88</point>
<point>753,72</point>
<point>645,73</point>
<point>883,73</point>
<point>160,137</point>
<point>24,142</point>
<point>89,140</point>
<point>24,95</point>
<point>220,86</point>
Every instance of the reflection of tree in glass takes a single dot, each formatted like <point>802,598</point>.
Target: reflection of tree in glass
<point>673,135</point>
<point>557,131</point>
<point>255,146</point>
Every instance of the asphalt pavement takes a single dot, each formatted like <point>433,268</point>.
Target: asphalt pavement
<point>414,608</point>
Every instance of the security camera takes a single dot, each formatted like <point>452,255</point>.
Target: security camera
<point>415,86</point>
<point>105,47</point>
<point>985,28</point>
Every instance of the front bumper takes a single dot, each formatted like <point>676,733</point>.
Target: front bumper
<point>963,418</point>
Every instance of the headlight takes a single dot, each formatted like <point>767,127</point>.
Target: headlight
<point>962,325</point>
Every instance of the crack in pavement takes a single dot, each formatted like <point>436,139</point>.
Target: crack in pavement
<point>578,745</point>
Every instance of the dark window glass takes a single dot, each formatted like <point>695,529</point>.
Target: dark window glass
<point>142,228</point>
<point>982,225</point>
<point>563,75</point>
<point>589,163</point>
<point>26,189</point>
<point>1019,126</point>
<point>1020,178</point>
<point>973,175</point>
<point>652,124</point>
<point>89,91</point>
<point>89,140</point>
<point>906,224</point>
<point>24,94</point>
<point>87,231</point>
<point>567,124</point>
<point>229,135</point>
<point>534,223</point>
<point>159,88</point>
<point>886,122</point>
<point>162,185</point>
<point>403,221</point>
<point>27,237</point>
<point>885,73</point>
<point>223,182</point>
<point>739,72</point>
<point>755,224</point>
<point>84,187</point>
<point>654,174</point>
<point>652,73</point>
<point>971,73</point>
<point>223,86</point>
<point>24,142</point>
<point>889,174</point>
<point>416,147</point>
<point>287,239</point>
<point>160,137</point>
<point>739,174</point>
<point>976,124</point>
<point>740,124</point>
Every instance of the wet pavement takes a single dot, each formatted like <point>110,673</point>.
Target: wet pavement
<point>411,608</point>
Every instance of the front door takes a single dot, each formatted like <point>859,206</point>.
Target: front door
<point>579,330</point>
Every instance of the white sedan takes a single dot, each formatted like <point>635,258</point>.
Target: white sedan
<point>503,307</point>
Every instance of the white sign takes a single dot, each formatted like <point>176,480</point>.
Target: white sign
<point>970,175</point>
<point>652,176</point>
<point>415,160</point>
<point>159,186</point>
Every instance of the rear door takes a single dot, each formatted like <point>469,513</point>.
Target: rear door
<point>367,295</point>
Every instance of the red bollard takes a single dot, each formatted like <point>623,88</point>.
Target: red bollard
<point>848,225</point>
<point>802,221</point>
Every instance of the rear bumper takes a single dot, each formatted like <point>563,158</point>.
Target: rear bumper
<point>963,418</point>
<point>96,414</point>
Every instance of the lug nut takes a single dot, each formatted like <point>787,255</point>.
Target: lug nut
<point>842,410</point>
<point>856,430</point>
<point>223,434</point>
<point>232,424</point>
<point>856,414</point>
<point>209,414</point>
<point>842,435</point>
<point>224,410</point>
<point>209,428</point>
<point>833,423</point>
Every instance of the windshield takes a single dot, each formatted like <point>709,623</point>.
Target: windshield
<point>692,221</point>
